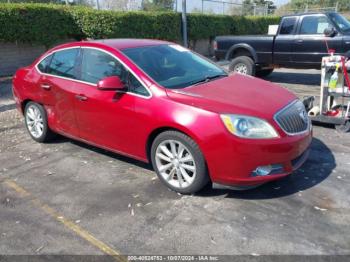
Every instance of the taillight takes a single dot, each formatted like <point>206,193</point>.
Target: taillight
<point>215,45</point>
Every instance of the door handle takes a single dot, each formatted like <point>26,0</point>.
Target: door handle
<point>299,41</point>
<point>45,86</point>
<point>81,97</point>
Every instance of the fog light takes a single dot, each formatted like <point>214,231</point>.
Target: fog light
<point>268,170</point>
<point>263,170</point>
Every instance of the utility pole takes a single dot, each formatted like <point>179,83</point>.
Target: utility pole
<point>98,4</point>
<point>184,23</point>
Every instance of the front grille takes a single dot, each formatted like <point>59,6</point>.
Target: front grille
<point>293,118</point>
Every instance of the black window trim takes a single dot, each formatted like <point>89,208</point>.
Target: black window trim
<point>123,64</point>
<point>78,67</point>
<point>294,28</point>
<point>75,62</point>
<point>53,53</point>
<point>47,64</point>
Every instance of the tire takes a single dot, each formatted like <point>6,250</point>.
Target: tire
<point>243,65</point>
<point>264,72</point>
<point>343,128</point>
<point>195,176</point>
<point>35,119</point>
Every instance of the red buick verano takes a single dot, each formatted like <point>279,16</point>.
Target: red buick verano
<point>161,103</point>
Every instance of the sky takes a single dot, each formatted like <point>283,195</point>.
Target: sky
<point>207,5</point>
<point>191,4</point>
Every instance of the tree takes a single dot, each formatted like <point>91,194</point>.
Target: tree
<point>260,6</point>
<point>300,5</point>
<point>121,5</point>
<point>158,5</point>
<point>247,7</point>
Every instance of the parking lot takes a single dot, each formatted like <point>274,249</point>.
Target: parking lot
<point>67,197</point>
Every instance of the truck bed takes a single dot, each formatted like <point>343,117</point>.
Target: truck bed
<point>262,45</point>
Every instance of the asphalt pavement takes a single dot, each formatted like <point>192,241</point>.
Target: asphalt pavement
<point>67,197</point>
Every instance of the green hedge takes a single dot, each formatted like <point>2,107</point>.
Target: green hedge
<point>207,26</point>
<point>48,24</point>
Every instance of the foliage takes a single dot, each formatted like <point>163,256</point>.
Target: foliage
<point>248,6</point>
<point>37,23</point>
<point>49,24</point>
<point>343,5</point>
<point>158,5</point>
<point>202,26</point>
<point>34,1</point>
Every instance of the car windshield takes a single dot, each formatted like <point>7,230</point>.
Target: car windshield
<point>340,21</point>
<point>173,66</point>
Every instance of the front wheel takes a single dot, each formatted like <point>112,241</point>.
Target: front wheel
<point>179,163</point>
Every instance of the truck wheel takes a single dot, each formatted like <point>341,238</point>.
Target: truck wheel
<point>243,65</point>
<point>344,128</point>
<point>263,72</point>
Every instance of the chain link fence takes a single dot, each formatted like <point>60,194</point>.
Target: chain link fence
<point>227,7</point>
<point>223,7</point>
<point>307,9</point>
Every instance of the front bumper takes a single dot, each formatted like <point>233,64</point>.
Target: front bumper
<point>238,159</point>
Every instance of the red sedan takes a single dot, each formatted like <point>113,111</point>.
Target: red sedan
<point>161,103</point>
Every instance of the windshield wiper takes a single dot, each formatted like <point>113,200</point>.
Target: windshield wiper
<point>207,79</point>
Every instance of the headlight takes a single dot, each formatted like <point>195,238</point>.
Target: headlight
<point>248,127</point>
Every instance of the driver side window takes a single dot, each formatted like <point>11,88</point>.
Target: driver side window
<point>314,25</point>
<point>96,65</point>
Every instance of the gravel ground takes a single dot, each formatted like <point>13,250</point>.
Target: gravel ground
<point>121,203</point>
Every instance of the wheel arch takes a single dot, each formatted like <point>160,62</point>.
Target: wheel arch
<point>241,50</point>
<point>24,103</point>
<point>152,136</point>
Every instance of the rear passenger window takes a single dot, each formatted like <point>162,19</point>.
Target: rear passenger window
<point>97,65</point>
<point>43,65</point>
<point>63,62</point>
<point>287,27</point>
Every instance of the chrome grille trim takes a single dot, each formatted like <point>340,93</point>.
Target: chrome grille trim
<point>290,121</point>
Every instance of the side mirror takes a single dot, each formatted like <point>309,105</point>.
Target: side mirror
<point>111,83</point>
<point>330,32</point>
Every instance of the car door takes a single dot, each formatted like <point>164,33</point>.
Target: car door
<point>282,52</point>
<point>310,43</point>
<point>105,117</point>
<point>58,72</point>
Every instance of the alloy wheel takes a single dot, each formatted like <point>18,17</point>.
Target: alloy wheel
<point>175,163</point>
<point>34,121</point>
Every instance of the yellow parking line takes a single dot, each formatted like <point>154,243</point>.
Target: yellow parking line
<point>69,224</point>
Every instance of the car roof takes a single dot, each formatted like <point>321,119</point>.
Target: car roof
<point>123,43</point>
<point>119,43</point>
<point>308,13</point>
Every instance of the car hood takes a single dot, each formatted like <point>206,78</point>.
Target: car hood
<point>235,94</point>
